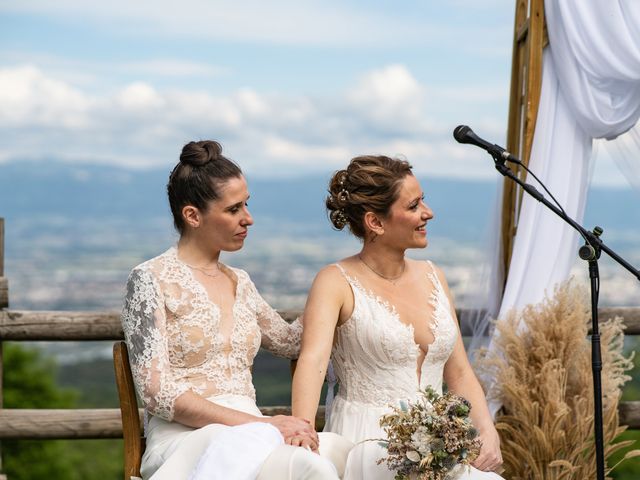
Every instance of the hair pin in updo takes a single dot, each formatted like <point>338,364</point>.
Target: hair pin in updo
<point>343,194</point>
<point>340,219</point>
<point>343,178</point>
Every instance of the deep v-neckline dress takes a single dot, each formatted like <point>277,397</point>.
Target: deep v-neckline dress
<point>375,359</point>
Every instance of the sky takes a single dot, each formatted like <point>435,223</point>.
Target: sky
<point>288,87</point>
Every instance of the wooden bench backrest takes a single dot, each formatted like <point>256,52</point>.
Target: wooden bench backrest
<point>134,442</point>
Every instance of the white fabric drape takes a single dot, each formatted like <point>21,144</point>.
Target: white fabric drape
<point>625,150</point>
<point>590,89</point>
<point>595,47</point>
<point>544,248</point>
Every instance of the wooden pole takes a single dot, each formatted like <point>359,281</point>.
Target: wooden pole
<point>30,326</point>
<point>60,423</point>
<point>4,284</point>
<point>529,40</point>
<point>4,303</point>
<point>39,424</point>
<point>1,247</point>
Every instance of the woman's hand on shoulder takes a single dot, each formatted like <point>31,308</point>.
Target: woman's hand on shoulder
<point>490,458</point>
<point>295,431</point>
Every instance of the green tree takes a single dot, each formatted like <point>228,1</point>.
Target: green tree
<point>29,382</point>
<point>630,469</point>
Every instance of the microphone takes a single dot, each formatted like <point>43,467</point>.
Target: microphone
<point>464,134</point>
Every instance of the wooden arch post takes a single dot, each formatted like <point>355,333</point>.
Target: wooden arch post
<point>529,39</point>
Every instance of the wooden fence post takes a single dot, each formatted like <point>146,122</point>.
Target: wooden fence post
<point>4,283</point>
<point>4,303</point>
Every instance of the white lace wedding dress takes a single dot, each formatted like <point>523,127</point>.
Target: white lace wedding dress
<point>180,341</point>
<point>374,359</point>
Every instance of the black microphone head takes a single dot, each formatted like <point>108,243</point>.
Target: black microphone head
<point>460,133</point>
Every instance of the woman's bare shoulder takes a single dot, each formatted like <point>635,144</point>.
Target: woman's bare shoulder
<point>427,267</point>
<point>333,275</point>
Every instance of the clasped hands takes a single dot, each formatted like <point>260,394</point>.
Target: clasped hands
<point>296,431</point>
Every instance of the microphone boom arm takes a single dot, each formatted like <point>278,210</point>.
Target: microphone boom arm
<point>589,252</point>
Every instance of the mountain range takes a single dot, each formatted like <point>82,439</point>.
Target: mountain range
<point>52,190</point>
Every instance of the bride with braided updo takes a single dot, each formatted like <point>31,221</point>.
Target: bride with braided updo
<point>387,322</point>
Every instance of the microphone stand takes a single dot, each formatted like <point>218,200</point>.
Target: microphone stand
<point>589,252</point>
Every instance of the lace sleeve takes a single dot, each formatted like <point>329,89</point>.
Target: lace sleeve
<point>278,336</point>
<point>144,325</point>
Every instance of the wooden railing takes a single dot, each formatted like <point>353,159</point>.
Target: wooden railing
<point>18,325</point>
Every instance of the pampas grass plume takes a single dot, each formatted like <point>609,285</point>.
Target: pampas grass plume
<point>542,371</point>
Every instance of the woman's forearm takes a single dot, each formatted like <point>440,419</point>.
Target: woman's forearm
<point>306,388</point>
<point>321,314</point>
<point>468,386</point>
<point>195,411</point>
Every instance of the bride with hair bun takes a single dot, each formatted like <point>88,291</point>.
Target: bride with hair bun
<point>193,326</point>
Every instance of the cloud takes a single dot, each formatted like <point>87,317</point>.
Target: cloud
<point>169,67</point>
<point>90,73</point>
<point>292,152</point>
<point>385,111</point>
<point>283,22</point>
<point>29,98</point>
<point>390,98</point>
<point>140,97</point>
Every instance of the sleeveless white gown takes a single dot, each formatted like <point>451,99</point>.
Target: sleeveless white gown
<point>374,359</point>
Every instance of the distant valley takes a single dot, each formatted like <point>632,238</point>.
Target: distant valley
<point>73,232</point>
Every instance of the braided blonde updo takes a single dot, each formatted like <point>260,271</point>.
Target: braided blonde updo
<point>371,183</point>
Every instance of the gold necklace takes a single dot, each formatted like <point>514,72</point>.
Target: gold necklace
<point>393,280</point>
<point>203,270</point>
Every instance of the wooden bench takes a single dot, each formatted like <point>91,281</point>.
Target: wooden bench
<point>134,441</point>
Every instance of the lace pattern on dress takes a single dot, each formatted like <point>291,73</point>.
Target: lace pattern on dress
<point>445,334</point>
<point>172,330</point>
<point>375,355</point>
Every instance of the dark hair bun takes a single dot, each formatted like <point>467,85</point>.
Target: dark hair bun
<point>200,153</point>
<point>197,178</point>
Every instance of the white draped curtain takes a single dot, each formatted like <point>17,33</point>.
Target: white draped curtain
<point>590,90</point>
<point>625,150</point>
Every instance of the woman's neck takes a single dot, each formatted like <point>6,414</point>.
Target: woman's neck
<point>383,261</point>
<point>194,252</point>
